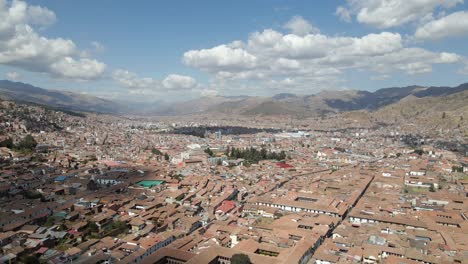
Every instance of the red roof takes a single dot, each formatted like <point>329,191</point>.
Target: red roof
<point>226,206</point>
<point>284,165</point>
<point>73,232</point>
<point>42,250</point>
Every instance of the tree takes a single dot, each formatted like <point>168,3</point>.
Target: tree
<point>263,153</point>
<point>432,188</point>
<point>30,194</point>
<point>166,156</point>
<point>240,259</point>
<point>252,155</point>
<point>156,151</point>
<point>50,221</point>
<point>31,259</point>
<point>28,143</point>
<point>7,143</point>
<point>282,155</point>
<point>92,227</point>
<point>117,225</point>
<point>233,152</point>
<point>209,152</point>
<point>457,169</point>
<point>444,115</point>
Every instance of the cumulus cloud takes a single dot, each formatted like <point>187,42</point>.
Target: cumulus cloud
<point>343,13</point>
<point>271,59</point>
<point>453,25</point>
<point>13,76</point>
<point>21,46</point>
<point>209,92</point>
<point>221,57</point>
<point>411,60</point>
<point>392,13</point>
<point>82,68</point>
<point>135,83</point>
<point>178,82</point>
<point>40,16</point>
<point>313,54</point>
<point>299,26</point>
<point>132,81</point>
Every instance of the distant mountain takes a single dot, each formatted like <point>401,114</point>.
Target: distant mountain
<point>283,104</point>
<point>22,92</point>
<point>195,106</point>
<point>445,110</point>
<point>325,102</point>
<point>283,96</point>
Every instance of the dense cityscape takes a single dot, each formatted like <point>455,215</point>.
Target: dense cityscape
<point>234,132</point>
<point>106,189</point>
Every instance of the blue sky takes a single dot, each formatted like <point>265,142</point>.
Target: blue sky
<point>176,50</point>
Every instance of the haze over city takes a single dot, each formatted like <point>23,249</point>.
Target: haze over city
<point>234,132</point>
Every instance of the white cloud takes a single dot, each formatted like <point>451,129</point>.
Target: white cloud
<point>464,70</point>
<point>312,60</point>
<point>380,77</point>
<point>410,60</point>
<point>178,82</point>
<point>40,16</point>
<point>208,92</point>
<point>98,47</point>
<point>453,25</point>
<point>313,54</point>
<point>343,13</point>
<point>13,76</point>
<point>132,81</point>
<point>374,44</point>
<point>21,46</point>
<point>220,57</point>
<point>287,81</point>
<point>290,46</point>
<point>299,26</point>
<point>142,85</point>
<point>392,13</point>
<point>83,68</point>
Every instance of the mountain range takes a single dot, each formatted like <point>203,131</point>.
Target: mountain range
<point>26,93</point>
<point>323,103</point>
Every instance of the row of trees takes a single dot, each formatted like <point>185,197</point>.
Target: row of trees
<point>225,130</point>
<point>253,155</point>
<point>28,143</point>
